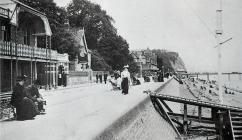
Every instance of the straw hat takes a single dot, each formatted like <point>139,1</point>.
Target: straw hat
<point>126,66</point>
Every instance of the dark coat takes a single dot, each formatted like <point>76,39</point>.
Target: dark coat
<point>25,107</point>
<point>18,94</point>
<point>105,77</point>
<point>33,93</point>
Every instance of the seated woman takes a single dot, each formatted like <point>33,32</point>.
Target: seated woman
<point>35,96</point>
<point>114,84</point>
<point>25,107</point>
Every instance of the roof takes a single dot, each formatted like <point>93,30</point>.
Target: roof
<point>79,35</point>
<point>16,7</point>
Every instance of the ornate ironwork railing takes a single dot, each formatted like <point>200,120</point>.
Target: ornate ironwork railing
<point>20,50</point>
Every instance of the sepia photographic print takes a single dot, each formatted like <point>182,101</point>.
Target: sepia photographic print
<point>120,70</point>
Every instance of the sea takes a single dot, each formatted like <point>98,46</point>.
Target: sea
<point>229,80</point>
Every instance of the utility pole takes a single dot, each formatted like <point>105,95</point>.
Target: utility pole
<point>219,32</point>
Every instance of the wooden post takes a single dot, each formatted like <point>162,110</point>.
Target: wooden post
<point>185,120</point>
<point>220,121</point>
<point>50,65</point>
<point>34,53</point>
<point>31,72</point>
<point>11,79</point>
<point>167,107</point>
<point>215,113</point>
<point>200,113</point>
<point>46,64</point>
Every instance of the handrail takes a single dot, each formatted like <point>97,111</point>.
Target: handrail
<point>231,125</point>
<point>168,117</point>
<point>195,102</point>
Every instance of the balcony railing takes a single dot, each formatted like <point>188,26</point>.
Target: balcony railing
<point>12,49</point>
<point>4,12</point>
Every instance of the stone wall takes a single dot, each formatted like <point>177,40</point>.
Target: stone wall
<point>140,123</point>
<point>79,77</point>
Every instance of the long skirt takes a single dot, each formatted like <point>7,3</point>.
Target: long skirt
<point>26,109</point>
<point>125,86</point>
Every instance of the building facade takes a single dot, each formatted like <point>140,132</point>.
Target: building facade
<point>145,59</point>
<point>25,46</point>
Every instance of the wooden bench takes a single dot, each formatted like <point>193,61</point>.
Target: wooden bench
<point>6,110</point>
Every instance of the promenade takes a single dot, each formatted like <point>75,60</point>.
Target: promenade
<point>77,113</point>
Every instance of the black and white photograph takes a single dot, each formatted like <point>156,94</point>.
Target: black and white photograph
<point>120,69</point>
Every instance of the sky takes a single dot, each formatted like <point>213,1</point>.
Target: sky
<point>183,26</point>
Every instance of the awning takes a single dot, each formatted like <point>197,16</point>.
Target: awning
<point>16,7</point>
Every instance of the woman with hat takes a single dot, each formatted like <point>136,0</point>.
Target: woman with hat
<point>25,107</point>
<point>125,76</point>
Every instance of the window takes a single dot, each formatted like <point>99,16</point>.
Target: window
<point>27,37</point>
<point>3,33</point>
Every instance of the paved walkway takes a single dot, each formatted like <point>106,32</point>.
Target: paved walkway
<point>76,113</point>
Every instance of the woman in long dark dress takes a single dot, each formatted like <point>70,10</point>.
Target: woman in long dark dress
<point>25,107</point>
<point>125,76</point>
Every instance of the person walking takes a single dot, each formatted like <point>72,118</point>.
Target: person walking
<point>125,76</point>
<point>97,78</point>
<point>105,77</point>
<point>25,107</point>
<point>101,78</point>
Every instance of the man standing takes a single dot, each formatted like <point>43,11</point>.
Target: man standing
<point>25,107</point>
<point>125,76</point>
<point>97,78</point>
<point>105,77</point>
<point>101,78</point>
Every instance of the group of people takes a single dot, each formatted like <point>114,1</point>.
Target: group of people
<point>100,78</point>
<point>26,99</point>
<point>121,81</point>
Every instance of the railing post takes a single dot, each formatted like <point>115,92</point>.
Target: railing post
<point>185,120</point>
<point>199,113</point>
<point>220,115</point>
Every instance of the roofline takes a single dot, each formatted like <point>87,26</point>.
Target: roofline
<point>26,6</point>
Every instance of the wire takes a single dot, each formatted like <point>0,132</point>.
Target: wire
<point>200,18</point>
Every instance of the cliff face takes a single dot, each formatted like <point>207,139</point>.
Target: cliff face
<point>169,60</point>
<point>178,64</point>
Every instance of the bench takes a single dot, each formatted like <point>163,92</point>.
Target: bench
<point>6,110</point>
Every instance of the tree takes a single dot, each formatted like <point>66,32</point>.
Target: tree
<point>97,24</point>
<point>100,33</point>
<point>98,63</point>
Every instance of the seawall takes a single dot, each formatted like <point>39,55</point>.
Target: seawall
<point>140,122</point>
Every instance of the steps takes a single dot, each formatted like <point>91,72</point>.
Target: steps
<point>236,121</point>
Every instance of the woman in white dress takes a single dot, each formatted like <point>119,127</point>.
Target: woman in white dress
<point>125,76</point>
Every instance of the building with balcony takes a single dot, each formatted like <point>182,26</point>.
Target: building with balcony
<point>25,46</point>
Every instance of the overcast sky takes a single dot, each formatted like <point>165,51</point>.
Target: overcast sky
<point>184,26</point>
